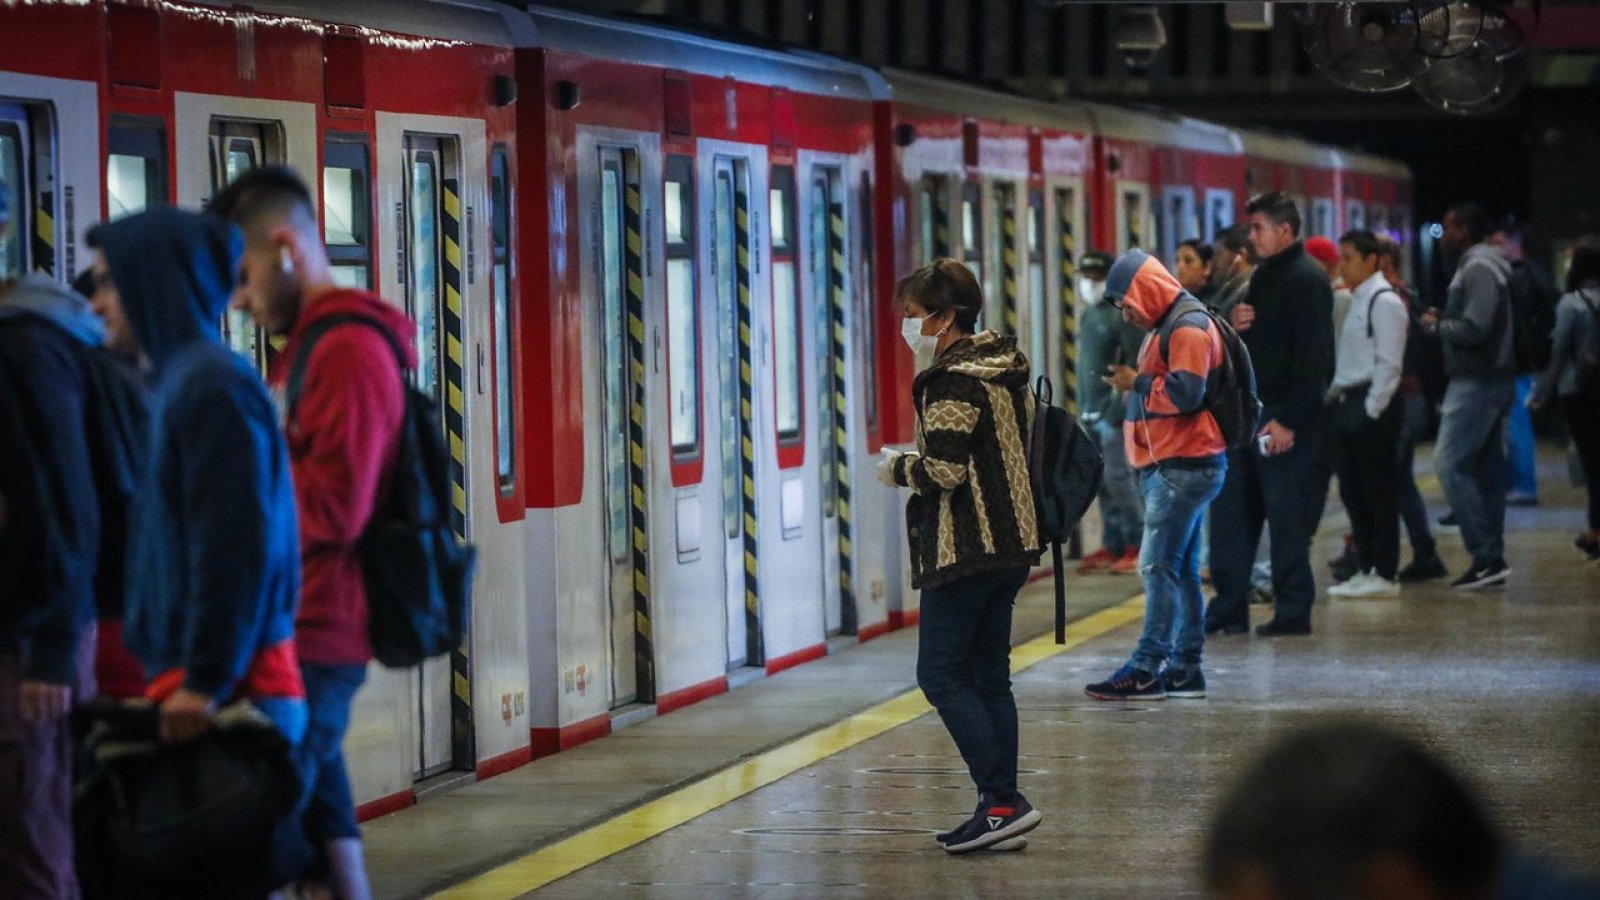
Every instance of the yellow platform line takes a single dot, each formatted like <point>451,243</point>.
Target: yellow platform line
<point>638,825</point>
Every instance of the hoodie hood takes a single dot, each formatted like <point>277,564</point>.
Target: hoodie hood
<point>175,272</point>
<point>986,356</point>
<point>67,308</point>
<point>346,301</point>
<point>1139,280</point>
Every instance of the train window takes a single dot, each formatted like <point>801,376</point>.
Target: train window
<point>1180,221</point>
<point>785,304</point>
<point>1038,304</point>
<point>1219,212</point>
<point>1132,211</point>
<point>822,301</point>
<point>868,339</point>
<point>972,231</point>
<point>136,166</point>
<point>727,281</point>
<point>683,320</point>
<point>1378,219</point>
<point>615,359</point>
<point>13,194</point>
<point>423,194</point>
<point>237,146</point>
<point>935,217</point>
<point>504,380</point>
<point>347,212</point>
<point>1355,215</point>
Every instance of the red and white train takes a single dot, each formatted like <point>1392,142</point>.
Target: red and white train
<point>651,272</point>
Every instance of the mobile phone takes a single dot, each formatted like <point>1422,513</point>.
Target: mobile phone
<point>1262,440</point>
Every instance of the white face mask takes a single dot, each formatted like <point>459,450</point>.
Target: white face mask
<point>923,346</point>
<point>1091,291</point>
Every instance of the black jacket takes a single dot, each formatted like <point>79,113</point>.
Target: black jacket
<point>1291,342</point>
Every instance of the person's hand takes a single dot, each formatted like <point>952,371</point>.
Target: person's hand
<point>1242,317</point>
<point>1120,377</point>
<point>1429,320</point>
<point>886,467</point>
<point>1279,438</point>
<point>43,701</point>
<point>185,716</point>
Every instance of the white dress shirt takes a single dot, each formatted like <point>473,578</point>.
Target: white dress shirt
<point>1373,356</point>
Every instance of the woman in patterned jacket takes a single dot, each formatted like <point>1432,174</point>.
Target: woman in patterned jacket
<point>973,534</point>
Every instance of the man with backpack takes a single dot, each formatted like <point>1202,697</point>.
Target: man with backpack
<point>344,432</point>
<point>1476,326</point>
<point>1176,442</point>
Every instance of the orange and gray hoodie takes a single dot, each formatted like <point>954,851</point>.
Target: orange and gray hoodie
<point>1165,420</point>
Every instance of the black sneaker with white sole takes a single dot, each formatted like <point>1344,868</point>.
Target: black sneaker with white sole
<point>1184,684</point>
<point>1483,576</point>
<point>992,825</point>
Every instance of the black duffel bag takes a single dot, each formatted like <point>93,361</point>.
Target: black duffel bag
<point>195,819</point>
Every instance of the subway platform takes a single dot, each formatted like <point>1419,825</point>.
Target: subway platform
<point>833,777</point>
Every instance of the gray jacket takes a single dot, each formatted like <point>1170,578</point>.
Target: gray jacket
<point>1575,320</point>
<point>1476,325</point>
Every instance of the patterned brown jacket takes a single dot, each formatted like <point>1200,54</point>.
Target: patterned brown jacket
<point>972,510</point>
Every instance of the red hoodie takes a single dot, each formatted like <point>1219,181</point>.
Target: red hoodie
<point>342,447</point>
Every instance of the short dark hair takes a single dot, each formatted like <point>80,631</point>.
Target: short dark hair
<point>1365,242</point>
<point>1322,803</point>
<point>944,284</point>
<point>1278,209</point>
<point>1237,239</point>
<point>1585,262</point>
<point>1201,249</point>
<point>270,194</point>
<point>1474,218</point>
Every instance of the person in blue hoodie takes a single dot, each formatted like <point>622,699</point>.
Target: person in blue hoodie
<point>214,561</point>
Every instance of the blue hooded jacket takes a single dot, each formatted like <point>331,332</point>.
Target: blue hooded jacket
<point>214,564</point>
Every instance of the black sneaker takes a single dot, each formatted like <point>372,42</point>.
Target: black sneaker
<point>1128,683</point>
<point>1448,523</point>
<point>1280,628</point>
<point>1423,568</point>
<point>1262,596</point>
<point>1483,576</point>
<point>1590,548</point>
<point>1184,684</point>
<point>1215,627</point>
<point>993,824</point>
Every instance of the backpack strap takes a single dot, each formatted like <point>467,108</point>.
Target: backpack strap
<point>313,334</point>
<point>1185,305</point>
<point>1372,303</point>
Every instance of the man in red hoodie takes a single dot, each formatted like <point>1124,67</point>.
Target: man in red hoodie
<point>343,438</point>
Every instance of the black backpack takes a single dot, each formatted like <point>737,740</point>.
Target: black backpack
<point>1230,394</point>
<point>417,573</point>
<point>1066,466</point>
<point>1533,318</point>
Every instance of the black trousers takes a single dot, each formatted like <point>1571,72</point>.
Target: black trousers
<point>1271,491</point>
<point>1585,428</point>
<point>1368,452</point>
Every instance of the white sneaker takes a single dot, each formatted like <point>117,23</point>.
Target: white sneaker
<point>1349,586</point>
<point>1372,587</point>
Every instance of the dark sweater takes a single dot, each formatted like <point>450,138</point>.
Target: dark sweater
<point>973,509</point>
<point>1291,341</point>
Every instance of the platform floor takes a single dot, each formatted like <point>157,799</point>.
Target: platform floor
<point>833,777</point>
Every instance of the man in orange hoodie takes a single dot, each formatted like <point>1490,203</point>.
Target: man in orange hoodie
<point>1174,442</point>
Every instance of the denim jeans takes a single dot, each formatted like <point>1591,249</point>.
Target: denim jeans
<point>1471,464</point>
<point>1521,472</point>
<point>1175,501</point>
<point>1270,491</point>
<point>1121,509</point>
<point>330,808</point>
<point>964,669</point>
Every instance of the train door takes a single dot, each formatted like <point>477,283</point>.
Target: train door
<point>829,259</point>
<point>731,258</point>
<point>1002,299</point>
<point>933,207</point>
<point>431,263</point>
<point>1036,319</point>
<point>16,158</point>
<point>1219,213</point>
<point>1133,216</point>
<point>1065,218</point>
<point>624,450</point>
<point>1322,218</point>
<point>236,147</point>
<point>1180,222</point>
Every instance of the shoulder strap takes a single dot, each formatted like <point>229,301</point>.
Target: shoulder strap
<point>1183,307</point>
<point>313,334</point>
<point>1372,303</point>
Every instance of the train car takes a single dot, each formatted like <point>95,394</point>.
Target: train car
<point>1161,179</point>
<point>1307,172</point>
<point>1377,195</point>
<point>389,110</point>
<point>700,426</point>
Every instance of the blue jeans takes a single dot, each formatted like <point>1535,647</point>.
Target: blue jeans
<point>330,811</point>
<point>1521,472</point>
<point>1175,501</point>
<point>1470,462</point>
<point>1120,505</point>
<point>964,669</point>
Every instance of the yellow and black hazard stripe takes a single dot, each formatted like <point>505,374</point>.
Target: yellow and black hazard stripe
<point>455,409</point>
<point>1008,261</point>
<point>756,655</point>
<point>1067,289</point>
<point>44,234</point>
<point>841,417</point>
<point>633,262</point>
